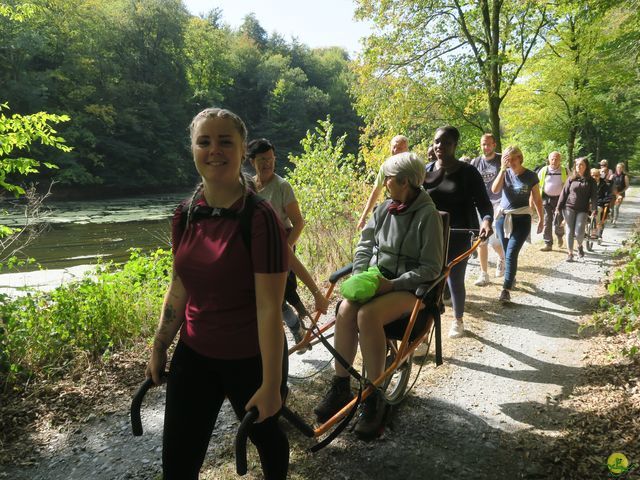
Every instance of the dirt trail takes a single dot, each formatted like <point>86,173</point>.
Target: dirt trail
<point>464,420</point>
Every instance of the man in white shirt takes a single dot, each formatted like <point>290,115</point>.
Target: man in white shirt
<point>552,178</point>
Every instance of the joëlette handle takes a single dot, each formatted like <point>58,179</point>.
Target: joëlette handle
<point>241,440</point>
<point>136,403</point>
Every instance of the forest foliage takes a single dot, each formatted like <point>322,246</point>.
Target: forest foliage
<point>131,74</point>
<point>547,76</point>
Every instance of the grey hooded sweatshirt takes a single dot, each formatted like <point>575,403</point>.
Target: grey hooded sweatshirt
<point>409,245</point>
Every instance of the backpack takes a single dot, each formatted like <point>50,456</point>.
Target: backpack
<point>244,216</point>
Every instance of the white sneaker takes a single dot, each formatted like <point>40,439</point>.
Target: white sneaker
<point>457,329</point>
<point>500,268</point>
<point>482,280</point>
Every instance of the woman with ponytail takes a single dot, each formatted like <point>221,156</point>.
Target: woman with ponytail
<point>225,299</point>
<point>578,199</point>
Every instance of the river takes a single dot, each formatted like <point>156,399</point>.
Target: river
<point>81,232</point>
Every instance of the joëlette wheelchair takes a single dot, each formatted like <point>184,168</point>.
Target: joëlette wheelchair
<point>595,225</point>
<point>404,335</point>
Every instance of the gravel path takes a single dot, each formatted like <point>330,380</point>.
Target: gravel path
<point>460,420</point>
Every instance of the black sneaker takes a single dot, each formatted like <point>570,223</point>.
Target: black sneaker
<point>337,397</point>
<point>372,417</point>
<point>580,252</point>
<point>505,296</point>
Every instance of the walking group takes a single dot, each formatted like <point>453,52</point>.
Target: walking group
<point>570,199</point>
<point>234,271</point>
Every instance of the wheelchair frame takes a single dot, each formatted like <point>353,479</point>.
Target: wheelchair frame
<point>400,354</point>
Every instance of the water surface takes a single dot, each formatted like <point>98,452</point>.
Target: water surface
<point>80,233</point>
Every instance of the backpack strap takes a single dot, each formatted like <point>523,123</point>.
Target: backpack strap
<point>244,216</point>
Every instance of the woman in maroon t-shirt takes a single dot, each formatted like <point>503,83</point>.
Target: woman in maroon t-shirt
<point>224,298</point>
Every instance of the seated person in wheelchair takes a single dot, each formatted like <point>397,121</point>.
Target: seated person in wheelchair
<point>404,238</point>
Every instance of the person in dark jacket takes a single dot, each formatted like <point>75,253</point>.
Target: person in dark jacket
<point>458,188</point>
<point>619,185</point>
<point>604,199</point>
<point>577,200</point>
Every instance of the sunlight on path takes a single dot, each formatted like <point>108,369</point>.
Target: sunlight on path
<point>530,352</point>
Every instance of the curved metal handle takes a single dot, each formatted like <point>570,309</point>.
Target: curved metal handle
<point>241,440</point>
<point>136,403</point>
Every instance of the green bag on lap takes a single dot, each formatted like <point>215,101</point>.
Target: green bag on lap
<point>362,286</point>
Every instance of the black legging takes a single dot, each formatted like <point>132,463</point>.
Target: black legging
<point>458,244</point>
<point>196,388</point>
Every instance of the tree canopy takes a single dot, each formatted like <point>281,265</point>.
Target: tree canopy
<point>559,76</point>
<point>130,74</point>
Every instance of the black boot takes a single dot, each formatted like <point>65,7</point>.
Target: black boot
<point>337,397</point>
<point>372,417</point>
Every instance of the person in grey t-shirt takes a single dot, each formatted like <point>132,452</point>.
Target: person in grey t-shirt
<point>488,164</point>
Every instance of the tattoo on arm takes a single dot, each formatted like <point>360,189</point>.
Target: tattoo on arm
<point>169,314</point>
<point>168,317</point>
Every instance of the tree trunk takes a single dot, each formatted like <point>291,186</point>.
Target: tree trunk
<point>571,145</point>
<point>494,119</point>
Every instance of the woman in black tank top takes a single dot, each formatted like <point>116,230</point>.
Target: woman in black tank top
<point>619,185</point>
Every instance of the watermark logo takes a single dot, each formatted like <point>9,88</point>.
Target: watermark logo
<point>618,465</point>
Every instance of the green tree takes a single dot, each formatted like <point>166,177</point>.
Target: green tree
<point>131,73</point>
<point>17,134</point>
<point>330,195</point>
<point>252,29</point>
<point>487,42</point>
<point>568,101</point>
<point>208,61</point>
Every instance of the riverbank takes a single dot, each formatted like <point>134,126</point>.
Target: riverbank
<point>524,394</point>
<point>15,284</point>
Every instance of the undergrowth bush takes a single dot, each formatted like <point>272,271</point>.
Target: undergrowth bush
<point>42,332</point>
<point>620,310</point>
<point>331,195</point>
